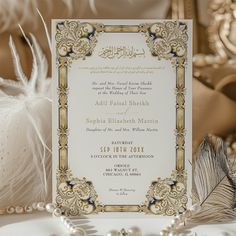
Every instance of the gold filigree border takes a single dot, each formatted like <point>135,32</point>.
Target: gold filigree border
<point>76,40</point>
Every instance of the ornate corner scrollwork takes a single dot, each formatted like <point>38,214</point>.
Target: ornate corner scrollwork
<point>75,39</point>
<point>168,40</point>
<point>75,196</point>
<point>167,196</point>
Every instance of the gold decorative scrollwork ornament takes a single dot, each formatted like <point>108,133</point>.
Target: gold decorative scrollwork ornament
<point>223,18</point>
<point>168,40</point>
<point>167,195</point>
<point>75,196</point>
<point>76,40</point>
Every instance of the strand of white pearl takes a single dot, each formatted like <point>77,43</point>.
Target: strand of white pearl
<point>72,228</point>
<point>52,209</point>
<point>77,231</point>
<point>179,220</point>
<point>37,206</point>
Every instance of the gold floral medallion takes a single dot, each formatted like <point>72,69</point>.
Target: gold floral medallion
<point>76,40</point>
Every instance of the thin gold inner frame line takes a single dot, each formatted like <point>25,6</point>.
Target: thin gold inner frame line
<point>63,114</point>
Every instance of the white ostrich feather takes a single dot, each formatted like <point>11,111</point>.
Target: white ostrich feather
<point>14,12</point>
<point>93,6</point>
<point>34,72</point>
<point>17,65</point>
<point>25,128</point>
<point>69,5</point>
<point>46,30</point>
<point>41,62</point>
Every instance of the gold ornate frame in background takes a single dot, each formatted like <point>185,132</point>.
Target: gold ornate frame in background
<point>223,15</point>
<point>76,40</point>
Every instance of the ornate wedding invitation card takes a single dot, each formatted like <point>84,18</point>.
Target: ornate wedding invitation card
<point>122,116</point>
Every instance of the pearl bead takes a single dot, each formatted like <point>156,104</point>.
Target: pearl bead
<point>69,225</point>
<point>67,221</point>
<point>34,205</point>
<point>50,207</point>
<point>229,150</point>
<point>234,145</point>
<point>28,209</point>
<point>187,213</point>
<point>179,217</point>
<point>10,210</point>
<point>57,212</point>
<point>209,59</point>
<point>79,232</point>
<point>172,234</point>
<point>175,221</point>
<point>134,231</point>
<point>19,209</point>
<point>113,233</point>
<point>195,208</point>
<point>72,229</point>
<point>41,206</point>
<point>164,232</point>
<point>199,60</point>
<point>173,226</point>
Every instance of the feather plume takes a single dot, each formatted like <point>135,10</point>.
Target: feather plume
<point>25,127</point>
<point>69,5</point>
<point>16,12</point>
<point>93,6</point>
<point>46,29</point>
<point>20,75</point>
<point>11,87</point>
<point>41,62</point>
<point>34,72</point>
<point>214,187</point>
<point>214,184</point>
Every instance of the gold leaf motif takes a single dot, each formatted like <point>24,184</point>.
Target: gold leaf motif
<point>75,196</point>
<point>167,196</point>
<point>168,40</point>
<point>76,40</point>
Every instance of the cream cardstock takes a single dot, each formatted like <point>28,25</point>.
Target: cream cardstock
<point>122,116</point>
